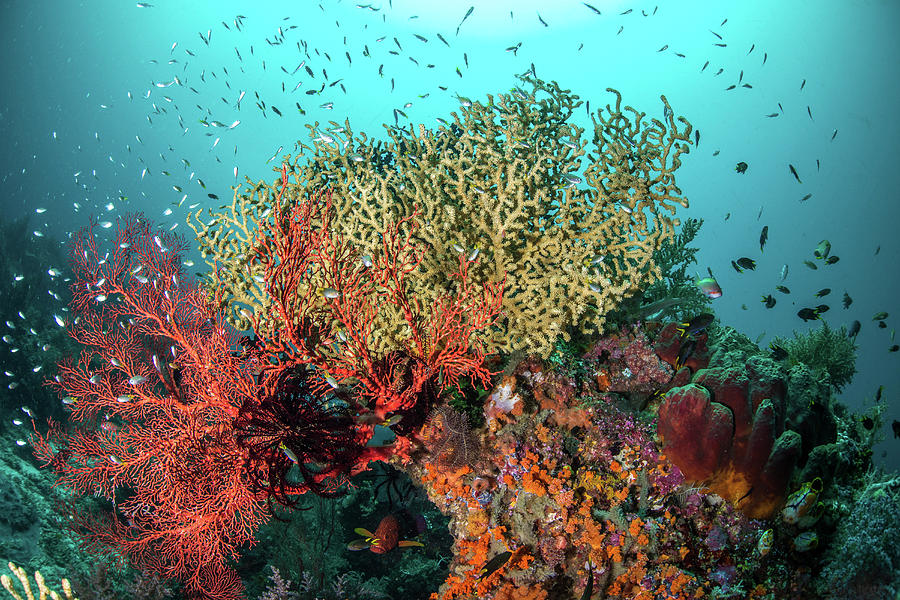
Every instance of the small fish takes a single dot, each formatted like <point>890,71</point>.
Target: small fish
<point>769,301</point>
<point>894,348</point>
<point>855,326</point>
<point>735,266</point>
<point>384,539</point>
<point>589,585</point>
<point>764,545</point>
<point>847,300</point>
<point>811,265</point>
<point>137,380</point>
<point>832,259</point>
<point>807,314</point>
<point>834,135</point>
<point>823,249</point>
<point>794,173</point>
<point>802,85</point>
<point>777,352</point>
<point>709,286</point>
<point>494,564</point>
<point>805,541</point>
<point>801,501</point>
<point>592,8</point>
<point>741,167</point>
<point>809,112</point>
<point>822,292</point>
<point>331,293</point>
<point>880,316</point>
<point>685,351</point>
<point>747,263</point>
<point>784,272</point>
<point>805,198</point>
<point>695,325</point>
<point>782,289</point>
<point>468,13</point>
<point>763,236</point>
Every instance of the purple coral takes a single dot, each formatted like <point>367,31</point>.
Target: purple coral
<point>629,361</point>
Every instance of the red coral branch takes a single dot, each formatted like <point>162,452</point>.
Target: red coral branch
<point>152,398</point>
<point>328,301</point>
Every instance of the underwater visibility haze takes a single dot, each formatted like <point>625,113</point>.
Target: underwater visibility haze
<point>411,300</point>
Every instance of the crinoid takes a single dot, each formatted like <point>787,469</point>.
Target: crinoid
<point>390,484</point>
<point>298,440</point>
<point>449,438</point>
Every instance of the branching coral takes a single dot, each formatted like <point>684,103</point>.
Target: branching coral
<point>22,576</point>
<point>830,353</point>
<point>503,180</point>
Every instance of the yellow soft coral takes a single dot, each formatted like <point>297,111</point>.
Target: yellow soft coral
<point>499,186</point>
<point>44,591</point>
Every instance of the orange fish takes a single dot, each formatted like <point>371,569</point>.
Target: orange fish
<point>385,538</point>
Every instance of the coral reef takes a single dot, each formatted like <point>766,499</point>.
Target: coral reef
<point>502,180</point>
<point>562,485</point>
<point>746,456</point>
<point>829,353</point>
<point>674,296</point>
<point>863,561</point>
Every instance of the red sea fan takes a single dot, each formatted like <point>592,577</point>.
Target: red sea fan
<point>152,398</point>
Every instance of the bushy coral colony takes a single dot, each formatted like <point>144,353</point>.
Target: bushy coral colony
<point>464,310</point>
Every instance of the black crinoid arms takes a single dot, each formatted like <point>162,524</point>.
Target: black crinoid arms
<point>299,439</point>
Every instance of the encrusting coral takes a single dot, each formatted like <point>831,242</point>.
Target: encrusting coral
<point>566,482</point>
<point>571,223</point>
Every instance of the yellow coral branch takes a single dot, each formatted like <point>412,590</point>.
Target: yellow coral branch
<point>45,592</point>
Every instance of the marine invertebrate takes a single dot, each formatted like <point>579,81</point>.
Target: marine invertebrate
<point>560,496</point>
<point>355,320</point>
<point>297,429</point>
<point>503,182</point>
<point>830,353</point>
<point>746,455</point>
<point>22,576</point>
<point>628,362</point>
<point>863,559</point>
<point>449,438</point>
<point>151,399</point>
